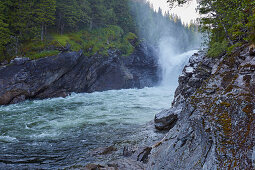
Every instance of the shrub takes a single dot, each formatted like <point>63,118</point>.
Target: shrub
<point>217,49</point>
<point>43,54</point>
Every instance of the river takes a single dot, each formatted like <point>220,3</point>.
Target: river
<point>63,132</point>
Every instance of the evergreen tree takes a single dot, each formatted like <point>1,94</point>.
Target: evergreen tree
<point>44,13</point>
<point>71,14</point>
<point>98,16</point>
<point>4,30</point>
<point>230,21</point>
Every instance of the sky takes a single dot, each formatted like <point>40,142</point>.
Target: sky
<point>187,12</point>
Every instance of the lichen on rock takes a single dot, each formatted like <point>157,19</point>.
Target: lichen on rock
<point>216,126</point>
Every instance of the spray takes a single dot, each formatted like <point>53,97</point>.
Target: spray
<point>174,43</point>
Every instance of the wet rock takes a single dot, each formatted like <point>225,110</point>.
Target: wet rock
<point>189,70</point>
<point>94,167</point>
<point>252,51</point>
<point>144,155</point>
<point>18,99</point>
<point>20,60</point>
<point>194,82</point>
<point>104,150</point>
<point>58,76</point>
<point>121,164</point>
<point>166,119</point>
<point>128,151</point>
<point>5,62</point>
<point>215,127</point>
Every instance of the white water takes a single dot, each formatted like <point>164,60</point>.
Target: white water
<point>172,64</point>
<point>61,132</point>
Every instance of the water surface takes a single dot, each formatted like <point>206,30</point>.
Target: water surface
<point>62,132</point>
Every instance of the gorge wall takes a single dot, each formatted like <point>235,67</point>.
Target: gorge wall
<point>211,124</point>
<point>58,76</point>
<point>214,103</point>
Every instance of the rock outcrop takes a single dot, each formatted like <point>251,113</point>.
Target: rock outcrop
<point>216,117</point>
<point>58,76</point>
<point>211,121</point>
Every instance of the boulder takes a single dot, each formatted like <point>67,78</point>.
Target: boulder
<point>104,150</point>
<point>252,50</point>
<point>20,60</point>
<point>5,62</point>
<point>165,120</point>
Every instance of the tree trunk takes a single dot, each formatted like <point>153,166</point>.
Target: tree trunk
<point>42,32</point>
<point>59,24</point>
<point>45,31</point>
<point>91,24</point>
<point>16,46</point>
<point>62,29</point>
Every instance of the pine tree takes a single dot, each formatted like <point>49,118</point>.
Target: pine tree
<point>71,14</point>
<point>230,21</point>
<point>4,30</point>
<point>98,16</point>
<point>44,15</point>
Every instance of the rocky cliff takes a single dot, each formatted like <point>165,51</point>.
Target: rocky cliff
<point>73,72</point>
<point>211,122</point>
<point>215,106</point>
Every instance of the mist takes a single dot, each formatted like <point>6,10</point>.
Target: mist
<point>173,41</point>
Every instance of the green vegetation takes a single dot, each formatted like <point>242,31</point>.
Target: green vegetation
<point>42,28</point>
<point>217,49</point>
<point>230,21</point>
<point>97,41</point>
<point>38,28</point>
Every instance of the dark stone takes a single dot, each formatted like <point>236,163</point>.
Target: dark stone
<point>5,62</point>
<point>104,150</point>
<point>127,151</point>
<point>18,99</point>
<point>194,82</point>
<point>121,164</point>
<point>252,51</point>
<point>58,76</point>
<point>20,60</point>
<point>165,120</point>
<point>144,155</point>
<point>93,167</point>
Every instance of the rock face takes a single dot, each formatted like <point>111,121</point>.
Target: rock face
<point>57,76</point>
<point>216,117</point>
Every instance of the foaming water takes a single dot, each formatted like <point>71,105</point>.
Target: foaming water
<point>60,132</point>
<point>172,64</point>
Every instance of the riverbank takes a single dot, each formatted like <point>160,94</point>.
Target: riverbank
<point>82,128</point>
<point>214,103</point>
<point>60,75</point>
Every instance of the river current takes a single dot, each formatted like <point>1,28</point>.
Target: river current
<point>61,132</point>
<point>65,132</point>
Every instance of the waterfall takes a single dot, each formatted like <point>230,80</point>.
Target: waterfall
<point>174,42</point>
<point>172,65</point>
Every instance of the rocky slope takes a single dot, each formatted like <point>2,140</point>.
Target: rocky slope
<point>211,121</point>
<point>72,72</point>
<point>215,106</point>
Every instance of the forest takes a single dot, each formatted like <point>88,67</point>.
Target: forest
<point>41,28</point>
<point>228,23</point>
